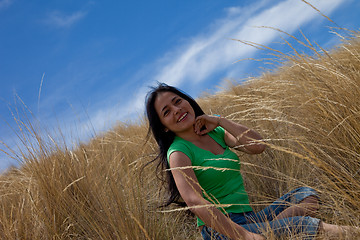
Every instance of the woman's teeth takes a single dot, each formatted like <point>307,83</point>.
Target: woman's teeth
<point>182,117</point>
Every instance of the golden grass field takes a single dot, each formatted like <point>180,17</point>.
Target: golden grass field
<point>307,110</point>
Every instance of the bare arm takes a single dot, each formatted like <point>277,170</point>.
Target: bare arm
<point>190,191</point>
<point>235,133</point>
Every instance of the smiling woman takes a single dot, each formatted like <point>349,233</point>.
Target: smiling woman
<point>205,173</point>
<point>175,113</point>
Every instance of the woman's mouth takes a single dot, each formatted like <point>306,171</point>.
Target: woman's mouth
<point>182,117</point>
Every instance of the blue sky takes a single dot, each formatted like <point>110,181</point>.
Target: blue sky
<point>82,66</point>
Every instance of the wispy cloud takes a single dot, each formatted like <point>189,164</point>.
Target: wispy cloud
<point>207,54</point>
<point>210,53</point>
<point>59,19</point>
<point>5,3</point>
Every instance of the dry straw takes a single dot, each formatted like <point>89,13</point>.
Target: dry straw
<point>308,110</point>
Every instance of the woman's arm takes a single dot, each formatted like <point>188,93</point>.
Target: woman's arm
<point>190,191</point>
<point>235,133</point>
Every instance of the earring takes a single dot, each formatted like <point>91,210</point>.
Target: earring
<point>166,130</point>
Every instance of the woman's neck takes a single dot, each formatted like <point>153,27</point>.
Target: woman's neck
<point>189,135</point>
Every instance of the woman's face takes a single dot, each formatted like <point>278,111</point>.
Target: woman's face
<point>175,113</point>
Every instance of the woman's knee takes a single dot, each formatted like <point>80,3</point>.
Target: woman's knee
<point>304,193</point>
<point>311,202</point>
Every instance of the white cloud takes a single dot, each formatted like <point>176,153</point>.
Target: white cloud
<point>206,55</point>
<point>213,52</point>
<point>209,53</point>
<point>59,19</point>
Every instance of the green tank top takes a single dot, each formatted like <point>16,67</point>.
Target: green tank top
<point>219,175</point>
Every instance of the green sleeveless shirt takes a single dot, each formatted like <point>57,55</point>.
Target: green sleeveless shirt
<point>219,175</point>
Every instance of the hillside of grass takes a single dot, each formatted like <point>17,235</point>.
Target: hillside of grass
<point>307,110</point>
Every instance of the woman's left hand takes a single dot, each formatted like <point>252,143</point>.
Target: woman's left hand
<point>205,123</point>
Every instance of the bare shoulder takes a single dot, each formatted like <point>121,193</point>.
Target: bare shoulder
<point>179,159</point>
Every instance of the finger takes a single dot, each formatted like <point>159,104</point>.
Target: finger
<point>197,126</point>
<point>199,122</point>
<point>205,131</point>
<point>196,129</point>
<point>199,117</point>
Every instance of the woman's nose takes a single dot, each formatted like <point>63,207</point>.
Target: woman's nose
<point>176,109</point>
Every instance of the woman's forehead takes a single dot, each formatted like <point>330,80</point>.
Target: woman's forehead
<point>163,99</point>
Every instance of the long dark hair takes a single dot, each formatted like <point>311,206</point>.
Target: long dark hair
<point>165,138</point>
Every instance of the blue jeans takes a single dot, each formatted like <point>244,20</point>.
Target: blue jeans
<point>263,221</point>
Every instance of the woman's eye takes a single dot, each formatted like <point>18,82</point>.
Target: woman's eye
<point>166,112</point>
<point>177,101</point>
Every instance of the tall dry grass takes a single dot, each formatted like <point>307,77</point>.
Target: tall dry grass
<point>307,111</point>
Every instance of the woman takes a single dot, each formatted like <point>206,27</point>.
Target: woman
<point>205,172</point>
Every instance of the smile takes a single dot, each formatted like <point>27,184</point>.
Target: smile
<point>182,117</point>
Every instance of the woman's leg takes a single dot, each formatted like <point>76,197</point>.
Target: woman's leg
<point>332,231</point>
<point>290,214</point>
<point>302,201</point>
<point>300,227</point>
<point>307,207</point>
<point>303,227</point>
